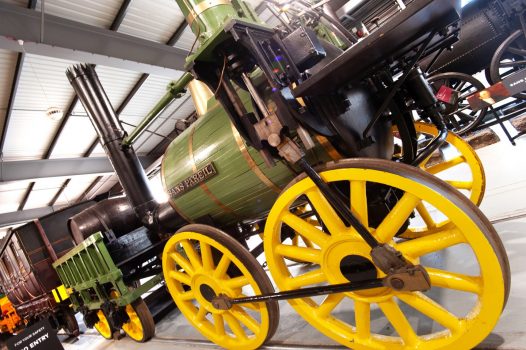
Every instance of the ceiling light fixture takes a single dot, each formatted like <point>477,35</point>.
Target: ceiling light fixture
<point>54,113</point>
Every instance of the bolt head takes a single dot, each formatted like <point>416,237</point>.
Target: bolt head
<point>397,283</point>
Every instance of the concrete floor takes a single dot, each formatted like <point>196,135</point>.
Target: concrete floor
<point>505,206</point>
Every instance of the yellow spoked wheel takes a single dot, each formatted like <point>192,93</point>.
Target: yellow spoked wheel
<point>297,238</point>
<point>466,262</point>
<point>103,326</point>
<point>458,164</point>
<point>200,262</point>
<point>141,326</point>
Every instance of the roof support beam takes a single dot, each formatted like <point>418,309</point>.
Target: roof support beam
<point>45,168</point>
<point>84,43</point>
<point>19,217</point>
<point>11,101</point>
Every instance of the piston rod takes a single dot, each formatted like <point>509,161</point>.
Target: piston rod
<point>223,302</point>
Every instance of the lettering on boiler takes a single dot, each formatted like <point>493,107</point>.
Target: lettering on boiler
<point>193,180</point>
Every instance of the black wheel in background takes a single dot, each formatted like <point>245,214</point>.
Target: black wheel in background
<point>459,117</point>
<point>509,58</point>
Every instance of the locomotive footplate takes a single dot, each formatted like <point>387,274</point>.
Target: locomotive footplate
<point>411,279</point>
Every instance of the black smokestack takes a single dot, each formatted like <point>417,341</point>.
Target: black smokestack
<point>131,175</point>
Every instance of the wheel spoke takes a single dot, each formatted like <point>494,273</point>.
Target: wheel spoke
<point>222,266</point>
<point>191,254</point>
<point>431,309</point>
<point>327,214</point>
<point>516,51</point>
<point>308,243</point>
<point>400,323</point>
<point>200,316</point>
<point>359,201</point>
<point>186,296</point>
<point>424,213</point>
<point>455,281</point>
<point>435,169</point>
<point>329,304</point>
<point>206,255</point>
<point>455,123</point>
<point>245,319</point>
<point>460,85</point>
<point>307,230</point>
<point>512,63</point>
<point>312,277</point>
<point>299,253</point>
<point>236,282</point>
<point>431,243</point>
<point>235,326</point>
<point>362,315</point>
<point>392,223</point>
<point>461,185</point>
<point>181,277</point>
<point>182,262</point>
<point>219,324</point>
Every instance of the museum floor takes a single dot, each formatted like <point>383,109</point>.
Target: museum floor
<point>504,204</point>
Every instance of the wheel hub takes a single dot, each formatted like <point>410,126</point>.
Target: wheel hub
<point>356,268</point>
<point>348,260</point>
<point>206,288</point>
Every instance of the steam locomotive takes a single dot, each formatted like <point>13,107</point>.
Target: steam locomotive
<point>295,141</point>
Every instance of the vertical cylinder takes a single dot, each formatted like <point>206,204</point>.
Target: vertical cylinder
<point>205,17</point>
<point>200,93</point>
<point>84,80</point>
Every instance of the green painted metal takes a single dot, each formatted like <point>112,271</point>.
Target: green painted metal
<point>238,191</point>
<point>176,89</point>
<point>88,268</point>
<point>208,20</point>
<point>325,33</point>
<point>206,17</point>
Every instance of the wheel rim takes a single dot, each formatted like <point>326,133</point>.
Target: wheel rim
<point>463,156</point>
<point>133,328</point>
<point>458,331</point>
<point>459,117</point>
<point>103,326</point>
<point>509,58</point>
<point>205,269</point>
<point>469,176</point>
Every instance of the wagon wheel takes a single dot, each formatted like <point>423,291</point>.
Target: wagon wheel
<point>194,276</point>
<point>468,177</point>
<point>103,326</point>
<point>141,326</point>
<point>459,117</point>
<point>509,58</point>
<point>297,238</point>
<point>70,325</point>
<point>466,299</point>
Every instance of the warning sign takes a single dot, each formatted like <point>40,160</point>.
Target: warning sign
<point>39,336</point>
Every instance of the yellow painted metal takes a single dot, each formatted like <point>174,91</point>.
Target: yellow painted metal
<point>103,326</point>
<point>55,295</point>
<point>461,329</point>
<point>188,269</point>
<point>133,328</point>
<point>60,293</point>
<point>474,184</point>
